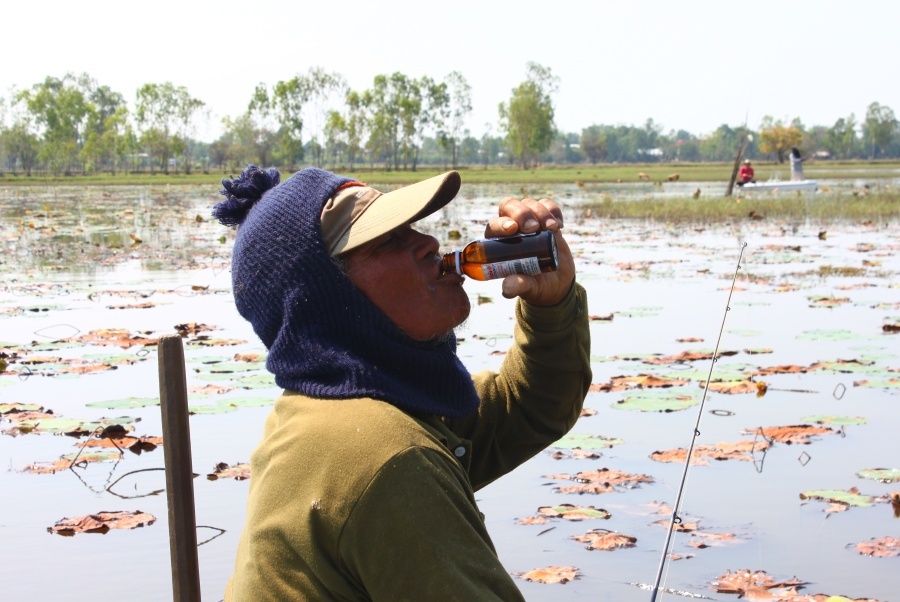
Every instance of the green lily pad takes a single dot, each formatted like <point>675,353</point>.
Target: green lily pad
<point>574,512</point>
<point>6,408</point>
<point>891,383</point>
<point>830,335</point>
<point>249,402</point>
<point>836,420</point>
<point>837,496</point>
<point>836,367</point>
<point>219,408</point>
<point>227,368</point>
<point>98,455</point>
<point>215,377</point>
<point>884,475</point>
<point>586,441</point>
<point>657,401</point>
<point>721,372</point>
<point>258,381</point>
<point>73,426</point>
<point>745,333</point>
<point>127,402</point>
<point>40,347</point>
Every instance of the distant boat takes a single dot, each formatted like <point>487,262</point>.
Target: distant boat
<point>778,185</point>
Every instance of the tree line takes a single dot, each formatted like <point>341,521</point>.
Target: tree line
<point>74,125</point>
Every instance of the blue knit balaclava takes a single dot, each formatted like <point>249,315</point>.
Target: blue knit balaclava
<point>326,339</point>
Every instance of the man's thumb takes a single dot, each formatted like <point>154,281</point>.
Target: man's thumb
<point>517,285</point>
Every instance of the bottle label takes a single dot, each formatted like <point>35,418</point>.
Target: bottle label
<point>502,269</point>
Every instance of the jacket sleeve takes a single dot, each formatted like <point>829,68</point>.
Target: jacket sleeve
<point>435,545</point>
<point>537,395</point>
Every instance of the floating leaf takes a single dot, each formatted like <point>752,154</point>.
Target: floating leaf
<point>69,426</point>
<point>619,383</point>
<point>742,450</point>
<point>586,441</point>
<point>891,383</point>
<point>551,574</point>
<point>603,480</point>
<point>800,433</point>
<point>238,472</point>
<point>573,513</point>
<point>14,408</point>
<point>839,500</point>
<point>656,401</point>
<point>65,462</point>
<point>884,475</point>
<point>125,403</point>
<point>102,522</point>
<point>884,547</point>
<point>836,420</point>
<point>756,585</point>
<point>602,539</point>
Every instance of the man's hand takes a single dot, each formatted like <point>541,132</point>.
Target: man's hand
<point>524,217</point>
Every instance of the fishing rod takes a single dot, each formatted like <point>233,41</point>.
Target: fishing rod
<point>687,463</point>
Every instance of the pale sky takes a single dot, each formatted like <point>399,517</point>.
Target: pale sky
<point>689,64</point>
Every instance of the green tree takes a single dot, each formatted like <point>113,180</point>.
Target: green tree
<point>879,128</point>
<point>60,110</point>
<point>323,87</point>
<point>527,120</point>
<point>593,143</point>
<point>335,136</point>
<point>841,138</point>
<point>452,116</point>
<point>285,102</point>
<point>165,116</point>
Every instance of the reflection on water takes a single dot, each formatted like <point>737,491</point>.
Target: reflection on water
<point>71,265</point>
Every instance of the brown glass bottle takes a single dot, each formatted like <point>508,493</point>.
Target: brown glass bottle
<point>491,258</point>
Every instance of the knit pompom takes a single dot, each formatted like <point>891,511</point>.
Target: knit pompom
<point>242,192</point>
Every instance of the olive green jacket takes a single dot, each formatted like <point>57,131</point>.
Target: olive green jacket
<point>354,499</point>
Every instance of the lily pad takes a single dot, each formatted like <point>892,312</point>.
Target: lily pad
<point>656,401</point>
<point>586,441</point>
<point>128,402</point>
<point>836,420</point>
<point>884,475</point>
<point>839,500</point>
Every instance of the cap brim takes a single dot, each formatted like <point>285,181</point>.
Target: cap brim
<point>402,206</point>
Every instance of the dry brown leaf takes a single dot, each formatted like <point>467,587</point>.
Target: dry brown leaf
<point>755,585</point>
<point>102,522</point>
<point>190,329</point>
<point>551,574</point>
<point>238,472</point>
<point>602,539</point>
<point>742,450</point>
<point>884,547</point>
<point>800,433</point>
<point>600,481</point>
<point>619,383</point>
<point>732,387</point>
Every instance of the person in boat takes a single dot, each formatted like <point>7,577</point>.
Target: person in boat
<point>363,485</point>
<point>796,165</point>
<point>746,174</point>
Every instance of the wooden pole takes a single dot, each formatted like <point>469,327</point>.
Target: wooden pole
<point>737,163</point>
<point>179,470</point>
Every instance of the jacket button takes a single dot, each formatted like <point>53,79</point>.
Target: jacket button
<point>459,452</point>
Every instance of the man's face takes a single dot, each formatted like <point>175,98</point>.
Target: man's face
<point>400,273</point>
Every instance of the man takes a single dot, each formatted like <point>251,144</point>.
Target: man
<point>363,485</point>
<point>746,174</point>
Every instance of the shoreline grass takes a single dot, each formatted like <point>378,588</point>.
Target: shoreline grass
<point>874,208</point>
<point>551,174</point>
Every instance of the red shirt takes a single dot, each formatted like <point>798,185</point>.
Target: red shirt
<point>746,173</point>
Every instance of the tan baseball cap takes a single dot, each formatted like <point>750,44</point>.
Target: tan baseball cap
<point>357,214</point>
